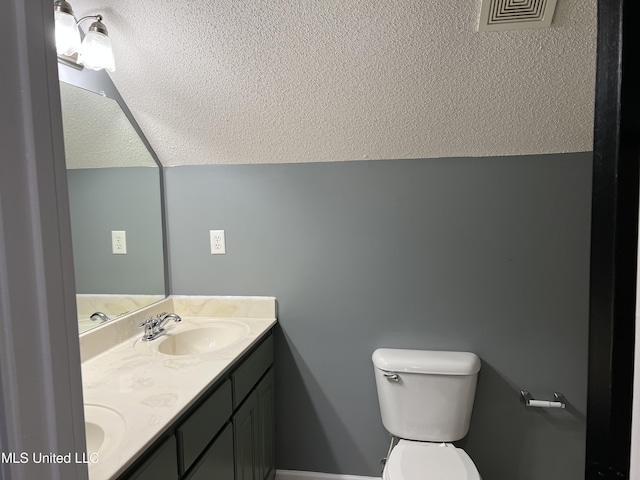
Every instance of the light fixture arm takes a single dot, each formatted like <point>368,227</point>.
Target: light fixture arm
<point>96,26</point>
<point>97,17</point>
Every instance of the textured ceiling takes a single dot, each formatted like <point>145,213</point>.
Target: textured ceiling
<point>114,141</point>
<point>267,81</point>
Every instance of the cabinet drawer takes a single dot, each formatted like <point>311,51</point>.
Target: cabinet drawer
<point>162,465</point>
<point>248,374</point>
<point>203,424</point>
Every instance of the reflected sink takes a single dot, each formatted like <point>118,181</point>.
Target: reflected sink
<point>209,337</point>
<point>104,430</point>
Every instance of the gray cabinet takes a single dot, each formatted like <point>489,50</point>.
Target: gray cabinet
<point>248,373</point>
<point>246,438</point>
<point>266,427</point>
<point>161,465</point>
<point>253,421</point>
<point>196,432</point>
<point>217,462</point>
<point>227,435</point>
<point>253,426</point>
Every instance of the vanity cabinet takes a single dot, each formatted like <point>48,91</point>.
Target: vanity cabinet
<point>197,431</point>
<point>245,430</point>
<point>266,427</point>
<point>218,461</point>
<point>253,425</point>
<point>227,435</point>
<point>160,464</point>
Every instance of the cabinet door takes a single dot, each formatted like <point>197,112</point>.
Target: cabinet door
<point>217,462</point>
<point>162,465</point>
<point>266,426</point>
<point>245,429</point>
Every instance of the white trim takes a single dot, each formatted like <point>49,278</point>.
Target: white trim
<point>40,378</point>
<point>297,475</point>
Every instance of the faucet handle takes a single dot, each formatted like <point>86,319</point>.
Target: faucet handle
<point>147,322</point>
<point>150,326</point>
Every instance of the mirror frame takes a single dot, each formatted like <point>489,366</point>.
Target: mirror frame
<point>100,83</point>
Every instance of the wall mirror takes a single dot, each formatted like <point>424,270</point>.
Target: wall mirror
<point>115,185</point>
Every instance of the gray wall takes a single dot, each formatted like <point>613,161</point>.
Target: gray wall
<point>106,199</point>
<point>489,255</point>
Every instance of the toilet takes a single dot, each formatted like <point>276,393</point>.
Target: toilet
<point>426,399</point>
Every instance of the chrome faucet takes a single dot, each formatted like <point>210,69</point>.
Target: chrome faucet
<point>99,315</point>
<point>154,327</point>
<point>165,317</point>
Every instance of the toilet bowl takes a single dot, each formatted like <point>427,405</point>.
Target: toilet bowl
<point>411,460</point>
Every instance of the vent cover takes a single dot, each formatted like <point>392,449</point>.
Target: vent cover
<point>498,15</point>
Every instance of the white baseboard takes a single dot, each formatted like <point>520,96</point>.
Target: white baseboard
<point>296,475</point>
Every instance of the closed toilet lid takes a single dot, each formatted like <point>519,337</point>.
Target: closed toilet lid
<point>429,461</point>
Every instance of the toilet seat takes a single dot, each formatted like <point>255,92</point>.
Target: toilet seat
<point>411,460</point>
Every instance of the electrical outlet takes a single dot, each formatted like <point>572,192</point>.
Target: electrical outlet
<point>119,242</point>
<point>217,242</point>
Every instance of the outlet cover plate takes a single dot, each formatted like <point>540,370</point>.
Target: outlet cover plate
<point>118,242</point>
<point>218,246</point>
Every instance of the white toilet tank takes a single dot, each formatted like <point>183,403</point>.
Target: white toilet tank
<point>426,395</point>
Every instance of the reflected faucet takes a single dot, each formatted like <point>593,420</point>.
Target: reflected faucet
<point>99,315</point>
<point>154,327</point>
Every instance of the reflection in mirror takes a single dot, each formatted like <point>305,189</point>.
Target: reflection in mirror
<point>114,186</point>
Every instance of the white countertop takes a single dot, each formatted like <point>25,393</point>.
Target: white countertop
<point>150,390</point>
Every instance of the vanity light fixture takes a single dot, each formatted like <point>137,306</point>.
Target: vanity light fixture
<point>94,52</point>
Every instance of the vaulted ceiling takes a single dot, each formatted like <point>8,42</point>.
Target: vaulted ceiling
<point>270,81</point>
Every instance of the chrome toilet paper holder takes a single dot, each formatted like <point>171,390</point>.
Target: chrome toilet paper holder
<point>528,401</point>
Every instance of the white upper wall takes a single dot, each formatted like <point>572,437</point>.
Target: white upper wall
<point>267,81</point>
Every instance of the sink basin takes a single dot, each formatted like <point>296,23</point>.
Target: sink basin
<point>95,436</point>
<point>104,430</point>
<point>208,337</point>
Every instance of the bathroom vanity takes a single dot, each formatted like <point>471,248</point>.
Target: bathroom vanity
<point>196,403</point>
<point>236,414</point>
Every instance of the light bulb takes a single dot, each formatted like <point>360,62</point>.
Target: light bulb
<point>67,34</point>
<point>96,52</point>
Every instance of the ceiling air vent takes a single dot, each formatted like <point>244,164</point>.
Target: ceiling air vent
<point>499,15</point>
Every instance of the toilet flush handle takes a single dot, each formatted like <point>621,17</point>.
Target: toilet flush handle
<point>392,376</point>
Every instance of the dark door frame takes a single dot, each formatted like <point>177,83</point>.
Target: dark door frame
<point>614,238</point>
